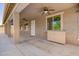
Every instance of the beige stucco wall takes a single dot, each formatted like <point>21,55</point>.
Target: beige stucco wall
<point>41,27</point>
<point>71,25</point>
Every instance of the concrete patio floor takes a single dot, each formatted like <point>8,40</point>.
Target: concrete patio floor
<point>35,47</point>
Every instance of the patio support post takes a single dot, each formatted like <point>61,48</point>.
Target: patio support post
<point>8,28</point>
<point>5,28</point>
<point>16,24</point>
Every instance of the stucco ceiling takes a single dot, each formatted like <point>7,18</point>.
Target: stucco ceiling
<point>33,9</point>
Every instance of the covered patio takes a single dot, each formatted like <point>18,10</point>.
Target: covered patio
<point>31,32</point>
<point>28,20</point>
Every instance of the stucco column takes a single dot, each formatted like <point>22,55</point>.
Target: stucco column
<point>16,30</point>
<point>8,28</point>
<point>78,25</point>
<point>5,28</point>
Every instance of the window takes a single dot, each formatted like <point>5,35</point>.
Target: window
<point>54,23</point>
<point>57,23</point>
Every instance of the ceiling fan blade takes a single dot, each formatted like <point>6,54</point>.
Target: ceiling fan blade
<point>46,10</point>
<point>51,9</point>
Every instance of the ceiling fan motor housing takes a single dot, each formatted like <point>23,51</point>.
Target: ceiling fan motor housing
<point>45,9</point>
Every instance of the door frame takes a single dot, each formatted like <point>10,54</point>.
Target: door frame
<point>32,28</point>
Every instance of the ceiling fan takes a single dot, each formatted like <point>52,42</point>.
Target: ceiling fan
<point>46,10</point>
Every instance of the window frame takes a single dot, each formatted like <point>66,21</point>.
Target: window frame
<point>61,15</point>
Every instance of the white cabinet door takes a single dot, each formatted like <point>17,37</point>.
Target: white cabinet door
<point>33,27</point>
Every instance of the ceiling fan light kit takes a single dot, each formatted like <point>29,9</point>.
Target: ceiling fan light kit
<point>45,12</point>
